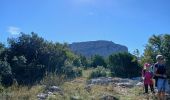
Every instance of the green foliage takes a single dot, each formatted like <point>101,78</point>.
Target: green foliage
<point>3,51</point>
<point>84,61</point>
<point>1,88</point>
<point>157,44</point>
<point>5,73</point>
<point>100,71</point>
<point>2,47</point>
<point>98,60</point>
<point>71,71</point>
<point>77,62</point>
<point>52,80</point>
<point>30,57</point>
<point>124,65</point>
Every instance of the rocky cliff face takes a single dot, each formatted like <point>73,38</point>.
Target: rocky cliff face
<point>101,47</point>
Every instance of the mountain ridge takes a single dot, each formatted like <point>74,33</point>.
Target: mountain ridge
<point>100,47</point>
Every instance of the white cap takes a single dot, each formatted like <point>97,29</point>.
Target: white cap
<point>158,56</point>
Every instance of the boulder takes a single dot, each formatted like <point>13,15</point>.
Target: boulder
<point>88,87</point>
<point>42,96</point>
<point>139,84</point>
<point>54,89</point>
<point>100,81</point>
<point>108,97</point>
<point>50,91</point>
<point>125,85</point>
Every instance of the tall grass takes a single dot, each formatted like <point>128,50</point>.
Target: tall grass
<point>53,80</point>
<point>19,92</point>
<point>16,92</point>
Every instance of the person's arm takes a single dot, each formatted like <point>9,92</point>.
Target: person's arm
<point>143,74</point>
<point>159,75</point>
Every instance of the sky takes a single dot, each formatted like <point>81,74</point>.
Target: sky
<point>126,22</point>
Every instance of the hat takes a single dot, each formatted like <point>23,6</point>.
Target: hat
<point>147,65</point>
<point>158,57</point>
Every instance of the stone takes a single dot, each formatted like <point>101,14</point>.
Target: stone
<point>125,85</point>
<point>101,81</point>
<point>108,97</point>
<point>139,84</point>
<point>42,96</point>
<point>54,89</point>
<point>88,87</point>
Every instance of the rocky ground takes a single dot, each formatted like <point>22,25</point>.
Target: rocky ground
<point>103,88</point>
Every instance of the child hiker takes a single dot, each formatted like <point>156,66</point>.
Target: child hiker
<point>147,77</point>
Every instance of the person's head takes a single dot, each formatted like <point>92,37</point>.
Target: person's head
<point>147,66</point>
<point>160,59</point>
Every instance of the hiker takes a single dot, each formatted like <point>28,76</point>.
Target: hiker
<point>161,78</point>
<point>147,76</point>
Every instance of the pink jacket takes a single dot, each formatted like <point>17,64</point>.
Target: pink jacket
<point>148,78</point>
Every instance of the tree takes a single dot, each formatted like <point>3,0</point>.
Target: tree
<point>158,44</point>
<point>136,53</point>
<point>77,62</point>
<point>3,51</point>
<point>5,73</point>
<point>84,61</point>
<point>98,60</point>
<point>30,55</point>
<point>124,65</point>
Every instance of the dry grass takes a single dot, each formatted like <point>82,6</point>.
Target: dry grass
<point>20,92</point>
<point>86,73</point>
<point>75,89</point>
<point>72,90</point>
<point>53,80</point>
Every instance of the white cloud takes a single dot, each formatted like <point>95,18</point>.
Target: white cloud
<point>14,30</point>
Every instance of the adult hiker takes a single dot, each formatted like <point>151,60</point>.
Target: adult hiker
<point>161,77</point>
<point>147,76</point>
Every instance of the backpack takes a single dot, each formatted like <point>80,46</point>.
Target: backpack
<point>152,70</point>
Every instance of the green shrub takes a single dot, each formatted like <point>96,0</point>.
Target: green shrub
<point>100,71</point>
<point>124,65</point>
<point>1,88</point>
<point>71,71</point>
<point>52,80</point>
<point>5,73</point>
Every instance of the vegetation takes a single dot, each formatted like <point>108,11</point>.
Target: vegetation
<point>100,71</point>
<point>157,44</point>
<point>124,65</point>
<point>29,60</point>
<point>98,60</point>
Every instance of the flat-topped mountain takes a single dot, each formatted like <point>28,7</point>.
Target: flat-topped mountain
<point>100,47</point>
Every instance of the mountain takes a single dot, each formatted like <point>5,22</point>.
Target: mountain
<point>100,47</point>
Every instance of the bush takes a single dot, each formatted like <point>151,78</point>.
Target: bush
<point>1,88</point>
<point>71,71</point>
<point>5,73</point>
<point>77,62</point>
<point>52,80</point>
<point>124,65</point>
<point>100,71</point>
<point>98,60</point>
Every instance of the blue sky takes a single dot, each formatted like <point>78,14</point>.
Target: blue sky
<point>126,22</point>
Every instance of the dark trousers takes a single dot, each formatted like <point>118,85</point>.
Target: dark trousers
<point>151,87</point>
